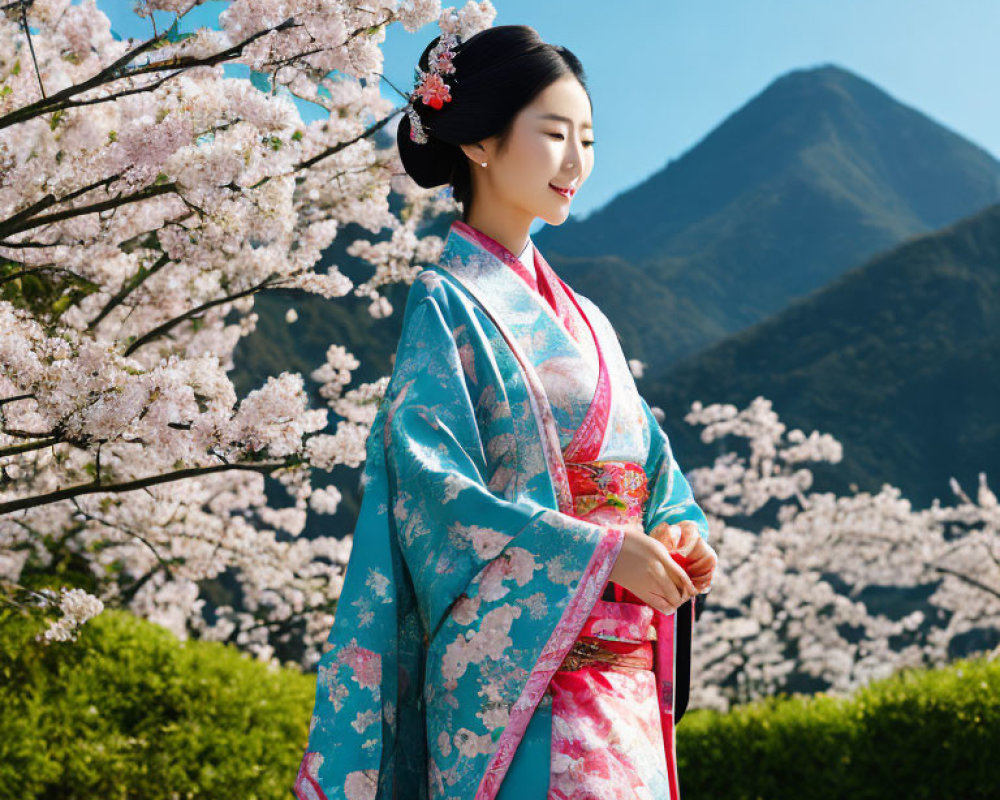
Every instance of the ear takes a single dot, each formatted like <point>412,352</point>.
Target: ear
<point>476,152</point>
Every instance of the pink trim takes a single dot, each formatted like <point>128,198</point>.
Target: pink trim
<point>306,787</point>
<point>555,650</point>
<point>586,442</point>
<point>558,301</point>
<point>664,668</point>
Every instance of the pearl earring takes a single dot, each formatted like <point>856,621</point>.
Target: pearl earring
<point>483,163</point>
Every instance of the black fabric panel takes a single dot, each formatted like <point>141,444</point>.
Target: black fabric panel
<point>685,625</point>
<point>682,657</point>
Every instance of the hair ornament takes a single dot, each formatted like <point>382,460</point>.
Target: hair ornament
<point>430,86</point>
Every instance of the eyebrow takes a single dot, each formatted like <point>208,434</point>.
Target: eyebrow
<point>561,118</point>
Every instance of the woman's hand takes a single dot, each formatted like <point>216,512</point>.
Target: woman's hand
<point>645,567</point>
<point>690,550</point>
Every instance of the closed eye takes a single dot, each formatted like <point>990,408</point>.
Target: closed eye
<point>588,142</point>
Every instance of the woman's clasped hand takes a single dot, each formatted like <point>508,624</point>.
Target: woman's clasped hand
<point>666,567</point>
<point>690,550</point>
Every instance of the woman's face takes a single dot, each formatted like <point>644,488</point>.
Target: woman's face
<point>550,144</point>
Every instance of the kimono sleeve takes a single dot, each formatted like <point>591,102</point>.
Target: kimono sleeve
<point>670,498</point>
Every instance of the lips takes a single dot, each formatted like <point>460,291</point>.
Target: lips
<point>568,192</point>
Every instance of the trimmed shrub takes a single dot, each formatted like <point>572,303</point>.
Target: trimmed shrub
<point>129,711</point>
<point>918,734</point>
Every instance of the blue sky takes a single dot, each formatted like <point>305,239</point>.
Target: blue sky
<point>663,74</point>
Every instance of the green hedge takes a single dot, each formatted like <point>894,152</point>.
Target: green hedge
<point>919,734</point>
<point>129,712</point>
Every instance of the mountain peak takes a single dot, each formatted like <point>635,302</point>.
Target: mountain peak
<point>817,172</point>
<point>822,130</point>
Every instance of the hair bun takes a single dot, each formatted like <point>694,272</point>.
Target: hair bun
<point>429,164</point>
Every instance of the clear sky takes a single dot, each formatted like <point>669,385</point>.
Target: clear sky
<point>663,73</point>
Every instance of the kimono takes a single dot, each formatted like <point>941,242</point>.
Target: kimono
<point>507,455</point>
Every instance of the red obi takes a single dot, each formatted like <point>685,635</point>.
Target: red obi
<point>608,492</point>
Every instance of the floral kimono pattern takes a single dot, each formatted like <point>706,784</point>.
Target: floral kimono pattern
<point>508,453</point>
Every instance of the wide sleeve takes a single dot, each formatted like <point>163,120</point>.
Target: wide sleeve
<point>499,586</point>
<point>670,499</point>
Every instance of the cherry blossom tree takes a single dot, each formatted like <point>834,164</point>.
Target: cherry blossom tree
<point>145,200</point>
<point>785,600</point>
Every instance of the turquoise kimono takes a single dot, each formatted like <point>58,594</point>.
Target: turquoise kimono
<point>470,576</point>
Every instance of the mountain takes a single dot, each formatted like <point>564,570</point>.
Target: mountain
<point>899,359</point>
<point>817,172</point>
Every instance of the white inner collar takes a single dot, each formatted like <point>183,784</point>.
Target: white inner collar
<point>528,258</point>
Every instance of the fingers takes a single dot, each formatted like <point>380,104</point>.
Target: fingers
<point>699,569</point>
<point>687,584</point>
<point>689,539</point>
<point>661,604</point>
<point>678,579</point>
<point>665,606</point>
<point>683,587</point>
<point>665,534</point>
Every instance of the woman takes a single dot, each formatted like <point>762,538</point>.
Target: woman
<point>509,613</point>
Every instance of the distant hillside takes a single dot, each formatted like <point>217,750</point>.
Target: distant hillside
<point>899,359</point>
<point>819,171</point>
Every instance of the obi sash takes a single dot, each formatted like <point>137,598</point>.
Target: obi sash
<point>608,493</point>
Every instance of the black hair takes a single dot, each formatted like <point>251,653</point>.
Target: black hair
<point>498,72</point>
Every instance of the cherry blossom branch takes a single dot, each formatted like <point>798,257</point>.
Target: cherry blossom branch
<point>967,579</point>
<point>127,288</point>
<point>41,268</point>
<point>160,330</point>
<point>166,564</point>
<point>31,45</point>
<point>63,99</point>
<point>50,200</point>
<point>90,488</point>
<point>15,449</point>
<point>9,228</point>
<point>302,165</point>
<point>23,221</point>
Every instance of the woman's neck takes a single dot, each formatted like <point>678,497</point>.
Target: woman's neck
<point>512,234</point>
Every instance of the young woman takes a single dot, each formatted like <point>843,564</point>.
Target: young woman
<point>509,616</point>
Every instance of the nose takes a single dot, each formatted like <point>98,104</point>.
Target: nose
<point>574,158</point>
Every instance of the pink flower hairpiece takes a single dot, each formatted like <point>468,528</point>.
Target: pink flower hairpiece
<point>431,88</point>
